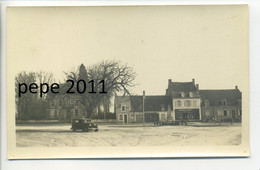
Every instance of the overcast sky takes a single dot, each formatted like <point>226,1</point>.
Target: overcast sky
<point>208,43</point>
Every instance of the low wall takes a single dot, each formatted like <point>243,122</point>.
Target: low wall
<point>104,121</point>
<point>57,121</point>
<point>36,121</point>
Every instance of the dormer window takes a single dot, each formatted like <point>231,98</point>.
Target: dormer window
<point>224,102</point>
<point>206,102</point>
<point>190,94</point>
<point>162,107</point>
<point>239,102</point>
<point>182,94</point>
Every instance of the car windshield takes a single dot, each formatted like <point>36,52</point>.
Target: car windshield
<point>81,120</point>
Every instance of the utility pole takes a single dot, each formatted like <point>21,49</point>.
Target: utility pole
<point>143,107</point>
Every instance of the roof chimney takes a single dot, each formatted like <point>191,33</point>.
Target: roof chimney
<point>169,82</point>
<point>193,81</point>
<point>236,87</point>
<point>197,85</point>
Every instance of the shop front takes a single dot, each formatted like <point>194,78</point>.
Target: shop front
<point>189,114</point>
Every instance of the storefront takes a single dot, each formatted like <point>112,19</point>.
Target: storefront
<point>190,114</point>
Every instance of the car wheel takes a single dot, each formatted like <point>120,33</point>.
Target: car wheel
<point>96,130</point>
<point>74,130</point>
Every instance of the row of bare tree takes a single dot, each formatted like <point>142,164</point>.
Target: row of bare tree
<point>117,77</point>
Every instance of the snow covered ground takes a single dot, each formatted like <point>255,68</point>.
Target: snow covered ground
<point>128,135</point>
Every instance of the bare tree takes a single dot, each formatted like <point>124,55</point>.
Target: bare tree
<point>24,102</point>
<point>31,106</point>
<point>117,77</point>
<point>73,74</point>
<point>44,77</point>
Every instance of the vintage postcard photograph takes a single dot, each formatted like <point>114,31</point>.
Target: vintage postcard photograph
<point>127,81</point>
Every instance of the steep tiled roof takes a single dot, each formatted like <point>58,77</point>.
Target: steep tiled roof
<point>215,97</point>
<point>151,103</point>
<point>183,86</point>
<point>175,89</point>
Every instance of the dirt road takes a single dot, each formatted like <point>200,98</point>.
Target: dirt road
<point>120,135</point>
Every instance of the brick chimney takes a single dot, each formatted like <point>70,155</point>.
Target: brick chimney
<point>236,87</point>
<point>193,81</point>
<point>169,83</point>
<point>197,85</point>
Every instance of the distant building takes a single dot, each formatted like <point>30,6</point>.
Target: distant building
<point>129,109</point>
<point>221,104</point>
<point>65,107</point>
<point>183,100</point>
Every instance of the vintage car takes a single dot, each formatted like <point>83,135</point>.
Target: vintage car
<point>84,125</point>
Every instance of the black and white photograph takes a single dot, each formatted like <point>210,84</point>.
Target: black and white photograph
<point>127,81</point>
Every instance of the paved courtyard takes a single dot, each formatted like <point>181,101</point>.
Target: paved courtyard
<point>128,135</point>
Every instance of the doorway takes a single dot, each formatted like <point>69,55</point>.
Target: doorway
<point>125,118</point>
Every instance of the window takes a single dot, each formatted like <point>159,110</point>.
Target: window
<point>178,103</point>
<point>187,103</point>
<point>120,117</point>
<point>76,103</point>
<point>163,117</point>
<point>60,102</point>
<point>52,114</point>
<point>182,94</point>
<point>207,113</point>
<point>206,102</point>
<point>76,112</point>
<point>194,103</point>
<point>52,103</point>
<point>233,112</point>
<point>225,112</point>
<point>123,108</point>
<point>169,107</point>
<point>190,94</point>
<point>240,113</point>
